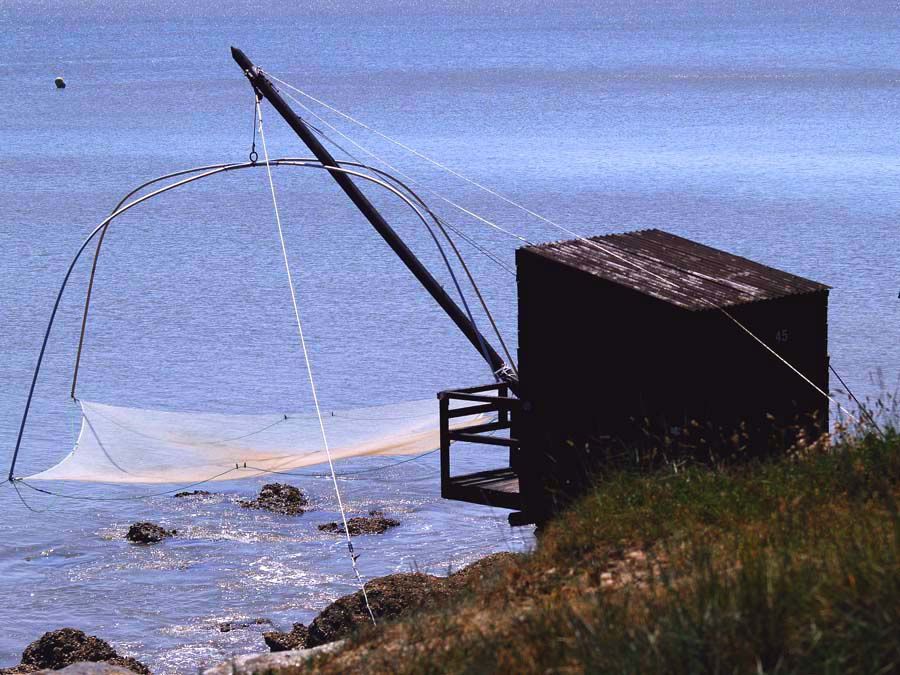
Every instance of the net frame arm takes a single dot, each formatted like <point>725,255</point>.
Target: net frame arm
<point>124,206</point>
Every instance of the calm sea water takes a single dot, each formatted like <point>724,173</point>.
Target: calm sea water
<point>768,132</point>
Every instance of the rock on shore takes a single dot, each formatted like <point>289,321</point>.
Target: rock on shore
<point>148,533</point>
<point>193,493</point>
<point>60,648</point>
<point>374,523</point>
<point>390,597</point>
<point>228,626</point>
<point>280,498</point>
<point>282,642</point>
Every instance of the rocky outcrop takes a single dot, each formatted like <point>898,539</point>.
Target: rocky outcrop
<point>374,523</point>
<point>280,498</point>
<point>61,648</point>
<point>148,533</point>
<point>296,638</point>
<point>390,597</point>
<point>193,493</point>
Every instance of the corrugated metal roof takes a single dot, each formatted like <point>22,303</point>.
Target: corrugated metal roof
<point>676,270</point>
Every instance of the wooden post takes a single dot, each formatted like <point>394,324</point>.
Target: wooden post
<point>445,443</point>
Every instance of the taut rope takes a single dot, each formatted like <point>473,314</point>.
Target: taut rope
<point>590,242</point>
<point>309,372</point>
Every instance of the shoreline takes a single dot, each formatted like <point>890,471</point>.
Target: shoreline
<point>392,596</point>
<point>703,569</point>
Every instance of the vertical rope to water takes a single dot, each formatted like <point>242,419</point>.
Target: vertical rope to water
<point>312,383</point>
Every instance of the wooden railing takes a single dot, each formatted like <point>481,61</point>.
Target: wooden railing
<point>484,399</point>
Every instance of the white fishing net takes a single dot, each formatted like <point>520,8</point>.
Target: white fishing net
<point>133,445</point>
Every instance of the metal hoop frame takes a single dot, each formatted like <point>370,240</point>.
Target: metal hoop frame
<point>201,172</point>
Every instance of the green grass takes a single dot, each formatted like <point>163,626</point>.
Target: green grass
<point>785,567</point>
<point>631,506</point>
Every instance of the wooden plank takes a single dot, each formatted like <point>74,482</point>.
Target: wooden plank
<point>483,428</point>
<point>511,486</point>
<point>444,405</point>
<point>492,473</point>
<point>481,398</point>
<point>497,487</point>
<point>471,410</point>
<point>479,388</point>
<point>484,440</point>
<point>463,481</point>
<point>500,500</point>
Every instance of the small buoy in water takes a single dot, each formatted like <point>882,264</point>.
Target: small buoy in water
<point>60,83</point>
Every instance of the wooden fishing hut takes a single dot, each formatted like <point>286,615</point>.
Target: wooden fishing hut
<point>640,349</point>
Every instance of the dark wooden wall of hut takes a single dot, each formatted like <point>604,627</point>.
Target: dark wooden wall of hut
<point>610,375</point>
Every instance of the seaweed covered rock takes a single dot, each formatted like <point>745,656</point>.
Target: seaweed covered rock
<point>279,498</point>
<point>374,523</point>
<point>389,597</point>
<point>148,533</point>
<point>282,642</point>
<point>228,626</point>
<point>193,493</point>
<point>60,648</point>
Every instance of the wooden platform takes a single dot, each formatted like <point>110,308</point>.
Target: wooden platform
<point>495,487</point>
<point>498,487</point>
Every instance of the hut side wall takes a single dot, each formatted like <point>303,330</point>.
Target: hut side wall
<point>606,371</point>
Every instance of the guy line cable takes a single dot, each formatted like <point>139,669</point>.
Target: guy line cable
<point>440,223</point>
<point>449,201</point>
<point>562,228</point>
<point>309,371</point>
<point>417,153</point>
<point>394,180</point>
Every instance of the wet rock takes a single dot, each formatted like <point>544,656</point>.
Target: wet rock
<point>148,533</point>
<point>389,597</point>
<point>280,498</point>
<point>374,523</point>
<point>194,493</point>
<point>88,668</point>
<point>60,648</point>
<point>289,661</point>
<point>281,642</point>
<point>228,626</point>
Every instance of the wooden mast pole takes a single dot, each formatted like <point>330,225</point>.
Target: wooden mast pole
<point>264,89</point>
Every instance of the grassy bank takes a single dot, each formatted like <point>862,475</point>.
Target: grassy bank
<point>789,566</point>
